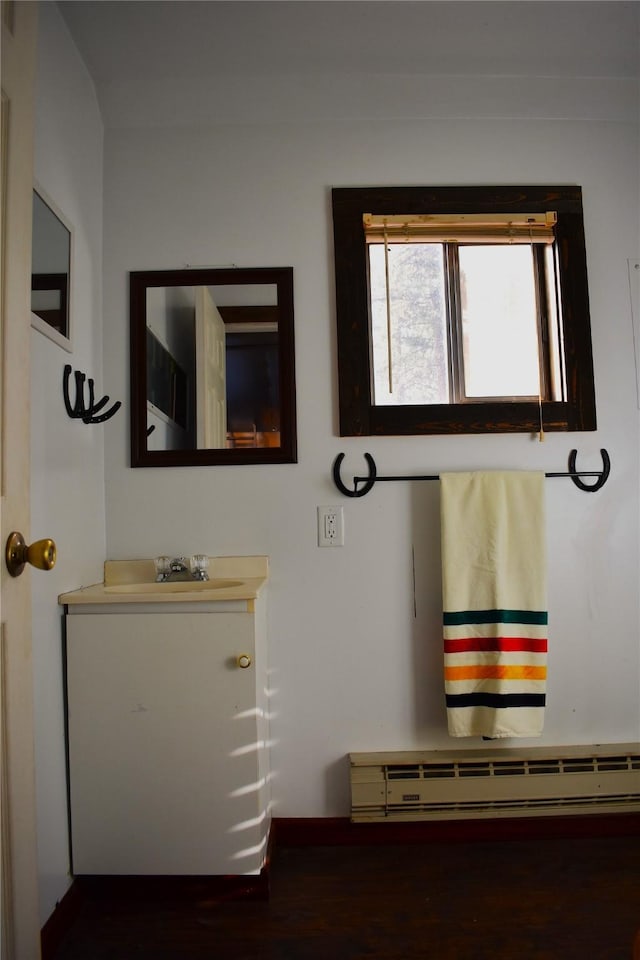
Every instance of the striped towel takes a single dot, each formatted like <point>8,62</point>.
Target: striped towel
<point>494,603</point>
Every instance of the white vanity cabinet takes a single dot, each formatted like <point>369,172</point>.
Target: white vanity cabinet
<point>167,737</point>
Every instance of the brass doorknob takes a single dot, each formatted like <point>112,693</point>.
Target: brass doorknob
<point>41,554</point>
<point>244,661</point>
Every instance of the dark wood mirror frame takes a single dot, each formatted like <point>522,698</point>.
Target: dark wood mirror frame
<point>359,416</point>
<point>139,283</point>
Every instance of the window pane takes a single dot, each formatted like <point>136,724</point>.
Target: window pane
<point>557,389</point>
<point>418,324</point>
<point>499,321</point>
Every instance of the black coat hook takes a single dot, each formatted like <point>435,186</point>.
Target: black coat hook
<point>73,411</point>
<point>78,410</point>
<point>362,485</point>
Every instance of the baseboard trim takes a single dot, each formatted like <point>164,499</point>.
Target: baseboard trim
<point>173,889</point>
<point>56,927</point>
<point>335,831</point>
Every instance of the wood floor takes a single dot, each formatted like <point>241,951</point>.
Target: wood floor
<point>557,899</point>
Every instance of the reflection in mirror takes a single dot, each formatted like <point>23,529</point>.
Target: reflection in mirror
<point>212,373</point>
<point>50,271</point>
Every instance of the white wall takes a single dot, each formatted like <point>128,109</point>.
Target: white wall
<point>67,480</point>
<point>351,667</point>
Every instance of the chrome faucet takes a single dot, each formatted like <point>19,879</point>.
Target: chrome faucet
<point>170,571</point>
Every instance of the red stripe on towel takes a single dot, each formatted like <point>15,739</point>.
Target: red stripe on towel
<point>468,644</point>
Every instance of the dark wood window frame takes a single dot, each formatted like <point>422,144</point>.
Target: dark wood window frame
<point>358,415</point>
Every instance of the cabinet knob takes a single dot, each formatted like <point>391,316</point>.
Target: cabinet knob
<point>243,661</point>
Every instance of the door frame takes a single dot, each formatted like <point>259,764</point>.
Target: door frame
<point>20,934</point>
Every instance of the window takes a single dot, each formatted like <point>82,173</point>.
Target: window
<point>462,310</point>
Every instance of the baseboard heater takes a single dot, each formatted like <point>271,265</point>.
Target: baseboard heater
<point>493,783</point>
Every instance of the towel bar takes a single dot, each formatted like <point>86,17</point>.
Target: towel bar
<point>368,482</point>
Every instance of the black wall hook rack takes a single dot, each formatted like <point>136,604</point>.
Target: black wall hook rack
<point>362,485</point>
<point>78,411</point>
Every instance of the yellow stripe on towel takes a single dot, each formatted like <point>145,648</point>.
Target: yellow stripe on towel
<point>495,672</point>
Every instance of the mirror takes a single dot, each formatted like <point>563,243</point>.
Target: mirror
<point>51,240</point>
<point>212,367</point>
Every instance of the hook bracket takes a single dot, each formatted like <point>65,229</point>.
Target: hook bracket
<point>601,477</point>
<point>78,410</point>
<point>368,484</point>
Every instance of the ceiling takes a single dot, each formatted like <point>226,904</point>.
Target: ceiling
<point>123,41</point>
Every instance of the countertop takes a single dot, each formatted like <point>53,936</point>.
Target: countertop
<point>133,581</point>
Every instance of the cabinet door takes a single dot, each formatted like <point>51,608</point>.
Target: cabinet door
<point>163,744</point>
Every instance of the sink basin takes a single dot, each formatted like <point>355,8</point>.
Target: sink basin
<point>175,586</point>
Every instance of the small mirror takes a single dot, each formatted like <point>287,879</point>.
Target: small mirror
<point>50,271</point>
<point>212,367</point>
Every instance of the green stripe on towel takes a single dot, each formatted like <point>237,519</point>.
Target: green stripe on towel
<point>495,616</point>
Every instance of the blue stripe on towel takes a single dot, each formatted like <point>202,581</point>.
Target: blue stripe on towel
<point>495,700</point>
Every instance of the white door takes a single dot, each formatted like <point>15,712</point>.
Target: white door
<point>20,938</point>
<point>211,401</point>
